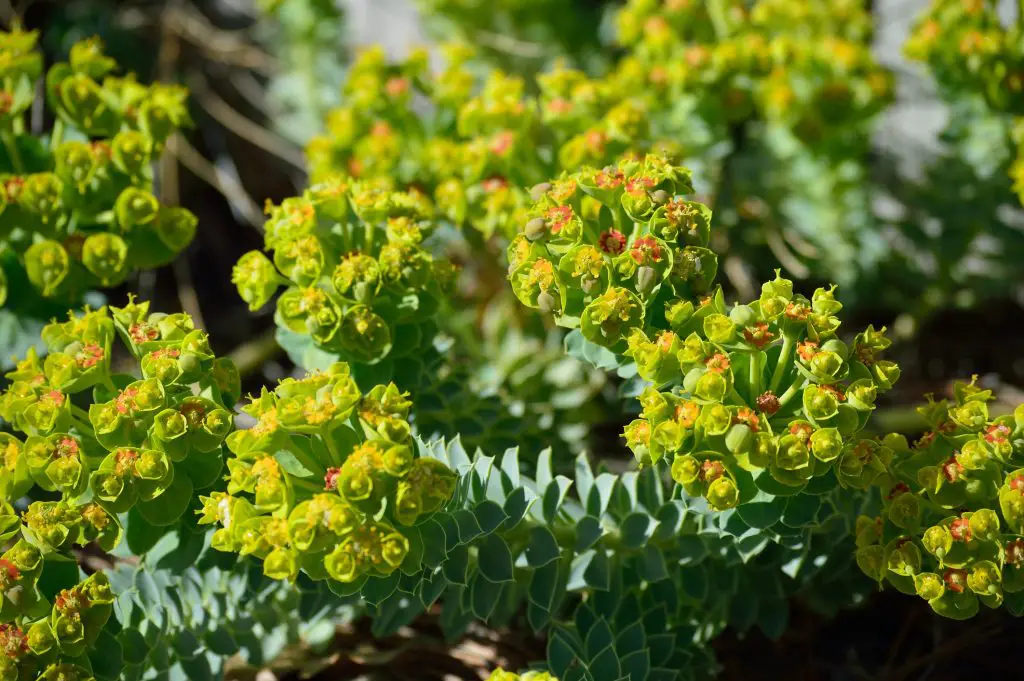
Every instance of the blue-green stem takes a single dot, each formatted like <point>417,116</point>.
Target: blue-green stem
<point>785,360</point>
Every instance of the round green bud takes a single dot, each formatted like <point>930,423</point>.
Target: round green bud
<point>134,208</point>
<point>106,257</point>
<point>176,227</point>
<point>47,265</point>
<point>826,444</point>
<point>723,494</point>
<point>685,469</point>
<point>937,541</point>
<point>929,585</point>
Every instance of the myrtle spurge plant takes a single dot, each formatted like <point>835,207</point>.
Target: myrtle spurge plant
<point>360,284</point>
<point>77,208</point>
<point>951,523</point>
<point>328,482</point>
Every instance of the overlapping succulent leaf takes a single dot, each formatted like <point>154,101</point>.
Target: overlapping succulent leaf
<point>78,208</point>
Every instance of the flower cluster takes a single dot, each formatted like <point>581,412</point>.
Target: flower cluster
<point>806,66</point>
<point>968,48</point>
<point>766,396</point>
<point>43,640</point>
<point>78,208</point>
<point>107,442</point>
<point>952,524</point>
<point>482,141</point>
<point>502,675</point>
<point>763,392</point>
<point>326,481</point>
<point>613,251</point>
<point>359,281</point>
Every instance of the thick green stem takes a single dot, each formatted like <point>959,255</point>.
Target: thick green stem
<point>11,144</point>
<point>332,449</point>
<point>785,359</point>
<point>734,395</point>
<point>57,136</point>
<point>755,374</point>
<point>790,393</point>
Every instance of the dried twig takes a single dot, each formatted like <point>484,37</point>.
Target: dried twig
<point>228,186</point>
<point>244,127</point>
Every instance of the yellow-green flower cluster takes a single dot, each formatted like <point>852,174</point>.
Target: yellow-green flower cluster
<point>107,442</point>
<point>969,48</point>
<point>502,675</point>
<point>482,141</point>
<point>807,66</point>
<point>78,208</point>
<point>765,388</point>
<point>326,481</point>
<point>613,251</point>
<point>51,642</point>
<point>359,281</point>
<point>952,525</point>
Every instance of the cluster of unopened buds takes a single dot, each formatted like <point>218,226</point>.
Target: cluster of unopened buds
<point>806,66</point>
<point>107,442</point>
<point>359,281</point>
<point>77,209</point>
<point>482,142</point>
<point>952,524</point>
<point>327,482</point>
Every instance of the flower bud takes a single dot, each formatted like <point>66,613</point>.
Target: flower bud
<point>929,585</point>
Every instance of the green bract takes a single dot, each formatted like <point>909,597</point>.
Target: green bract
<point>77,208</point>
<point>327,482</point>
